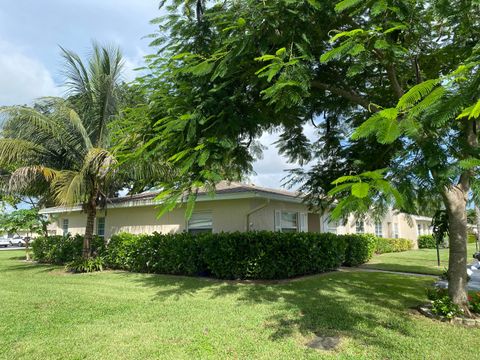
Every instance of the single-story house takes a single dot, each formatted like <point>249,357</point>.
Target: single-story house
<point>235,207</point>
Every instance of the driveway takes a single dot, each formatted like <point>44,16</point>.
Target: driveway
<point>473,284</point>
<point>11,248</point>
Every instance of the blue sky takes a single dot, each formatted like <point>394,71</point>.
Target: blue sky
<point>30,65</point>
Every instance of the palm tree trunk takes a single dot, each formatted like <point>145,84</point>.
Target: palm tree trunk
<point>455,200</point>
<point>87,240</point>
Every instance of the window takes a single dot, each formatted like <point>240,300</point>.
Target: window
<point>200,222</point>
<point>378,229</point>
<point>65,227</point>
<point>290,221</point>
<point>332,227</point>
<point>359,227</point>
<point>419,229</point>
<point>101,227</point>
<point>395,231</point>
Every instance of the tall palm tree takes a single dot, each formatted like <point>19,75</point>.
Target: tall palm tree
<point>60,147</point>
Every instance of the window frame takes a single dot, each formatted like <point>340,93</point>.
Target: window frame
<point>98,226</point>
<point>65,226</point>
<point>199,230</point>
<point>360,224</point>
<point>379,229</point>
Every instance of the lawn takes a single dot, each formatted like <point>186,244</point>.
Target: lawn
<point>422,261</point>
<point>47,314</point>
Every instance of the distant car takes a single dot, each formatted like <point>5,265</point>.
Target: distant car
<point>17,241</point>
<point>4,242</point>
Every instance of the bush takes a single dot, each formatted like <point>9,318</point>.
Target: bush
<point>471,238</point>
<point>85,265</point>
<point>271,255</point>
<point>386,245</point>
<point>360,248</point>
<point>474,302</point>
<point>251,255</point>
<point>60,250</point>
<point>444,306</point>
<point>426,242</point>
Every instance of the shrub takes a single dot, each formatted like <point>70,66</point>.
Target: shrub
<point>386,245</point>
<point>444,306</point>
<point>85,265</point>
<point>474,302</point>
<point>63,249</point>
<point>360,248</point>
<point>434,293</point>
<point>251,255</point>
<point>426,242</point>
<point>271,255</point>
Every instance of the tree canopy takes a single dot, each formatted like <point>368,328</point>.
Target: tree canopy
<point>392,86</point>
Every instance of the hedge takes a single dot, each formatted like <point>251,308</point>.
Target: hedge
<point>250,255</point>
<point>387,245</point>
<point>426,242</point>
<point>62,249</point>
<point>360,248</point>
<point>247,255</point>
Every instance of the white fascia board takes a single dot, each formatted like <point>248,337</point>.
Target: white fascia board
<point>201,198</point>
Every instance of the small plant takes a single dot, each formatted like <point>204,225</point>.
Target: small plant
<point>435,293</point>
<point>427,242</point>
<point>85,265</point>
<point>444,306</point>
<point>474,303</point>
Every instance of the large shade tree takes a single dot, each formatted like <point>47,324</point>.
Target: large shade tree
<point>59,149</point>
<point>394,73</point>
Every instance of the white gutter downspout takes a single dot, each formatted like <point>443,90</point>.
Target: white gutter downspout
<point>258,208</point>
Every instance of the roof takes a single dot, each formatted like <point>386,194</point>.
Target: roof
<point>224,191</point>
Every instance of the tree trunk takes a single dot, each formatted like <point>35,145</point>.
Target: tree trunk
<point>455,199</point>
<point>91,210</point>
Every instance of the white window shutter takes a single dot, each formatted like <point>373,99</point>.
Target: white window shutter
<point>303,222</point>
<point>278,220</point>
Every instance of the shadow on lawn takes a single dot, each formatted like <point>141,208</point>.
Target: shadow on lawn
<point>355,305</point>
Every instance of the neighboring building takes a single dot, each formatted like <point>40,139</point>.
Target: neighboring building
<point>235,207</point>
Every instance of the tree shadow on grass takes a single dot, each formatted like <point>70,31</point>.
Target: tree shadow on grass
<point>356,305</point>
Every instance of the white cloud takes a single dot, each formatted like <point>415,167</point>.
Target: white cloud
<point>23,78</point>
<point>273,167</point>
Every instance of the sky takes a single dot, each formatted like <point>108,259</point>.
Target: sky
<point>30,63</point>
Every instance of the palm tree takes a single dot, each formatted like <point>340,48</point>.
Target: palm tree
<point>60,148</point>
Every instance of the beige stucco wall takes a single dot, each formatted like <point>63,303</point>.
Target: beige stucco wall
<point>227,216</point>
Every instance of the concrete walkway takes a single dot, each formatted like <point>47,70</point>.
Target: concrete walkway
<point>474,273</point>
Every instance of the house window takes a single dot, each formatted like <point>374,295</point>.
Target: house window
<point>378,229</point>
<point>290,221</point>
<point>332,227</point>
<point>419,229</point>
<point>101,227</point>
<point>359,227</point>
<point>65,227</point>
<point>200,222</point>
<point>395,231</point>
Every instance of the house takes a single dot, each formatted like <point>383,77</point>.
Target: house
<point>235,207</point>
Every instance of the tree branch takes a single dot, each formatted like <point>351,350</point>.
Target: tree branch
<point>349,95</point>
<point>392,76</point>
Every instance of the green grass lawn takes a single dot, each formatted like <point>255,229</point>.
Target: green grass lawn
<point>422,261</point>
<point>47,314</point>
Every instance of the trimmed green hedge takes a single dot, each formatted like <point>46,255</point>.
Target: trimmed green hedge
<point>250,255</point>
<point>387,245</point>
<point>360,248</point>
<point>426,242</point>
<point>62,249</point>
<point>247,255</point>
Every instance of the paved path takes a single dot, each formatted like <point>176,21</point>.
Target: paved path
<point>351,269</point>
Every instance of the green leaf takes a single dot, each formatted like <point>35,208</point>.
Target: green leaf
<point>342,179</point>
<point>381,44</point>
<point>416,93</point>
<point>346,4</point>
<point>360,190</point>
<point>469,163</point>
<point>350,33</point>
<point>337,52</point>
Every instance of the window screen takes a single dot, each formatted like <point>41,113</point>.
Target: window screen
<point>378,229</point>
<point>101,226</point>
<point>200,222</point>
<point>65,227</point>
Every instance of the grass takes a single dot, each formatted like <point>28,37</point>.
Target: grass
<point>423,261</point>
<point>47,314</point>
